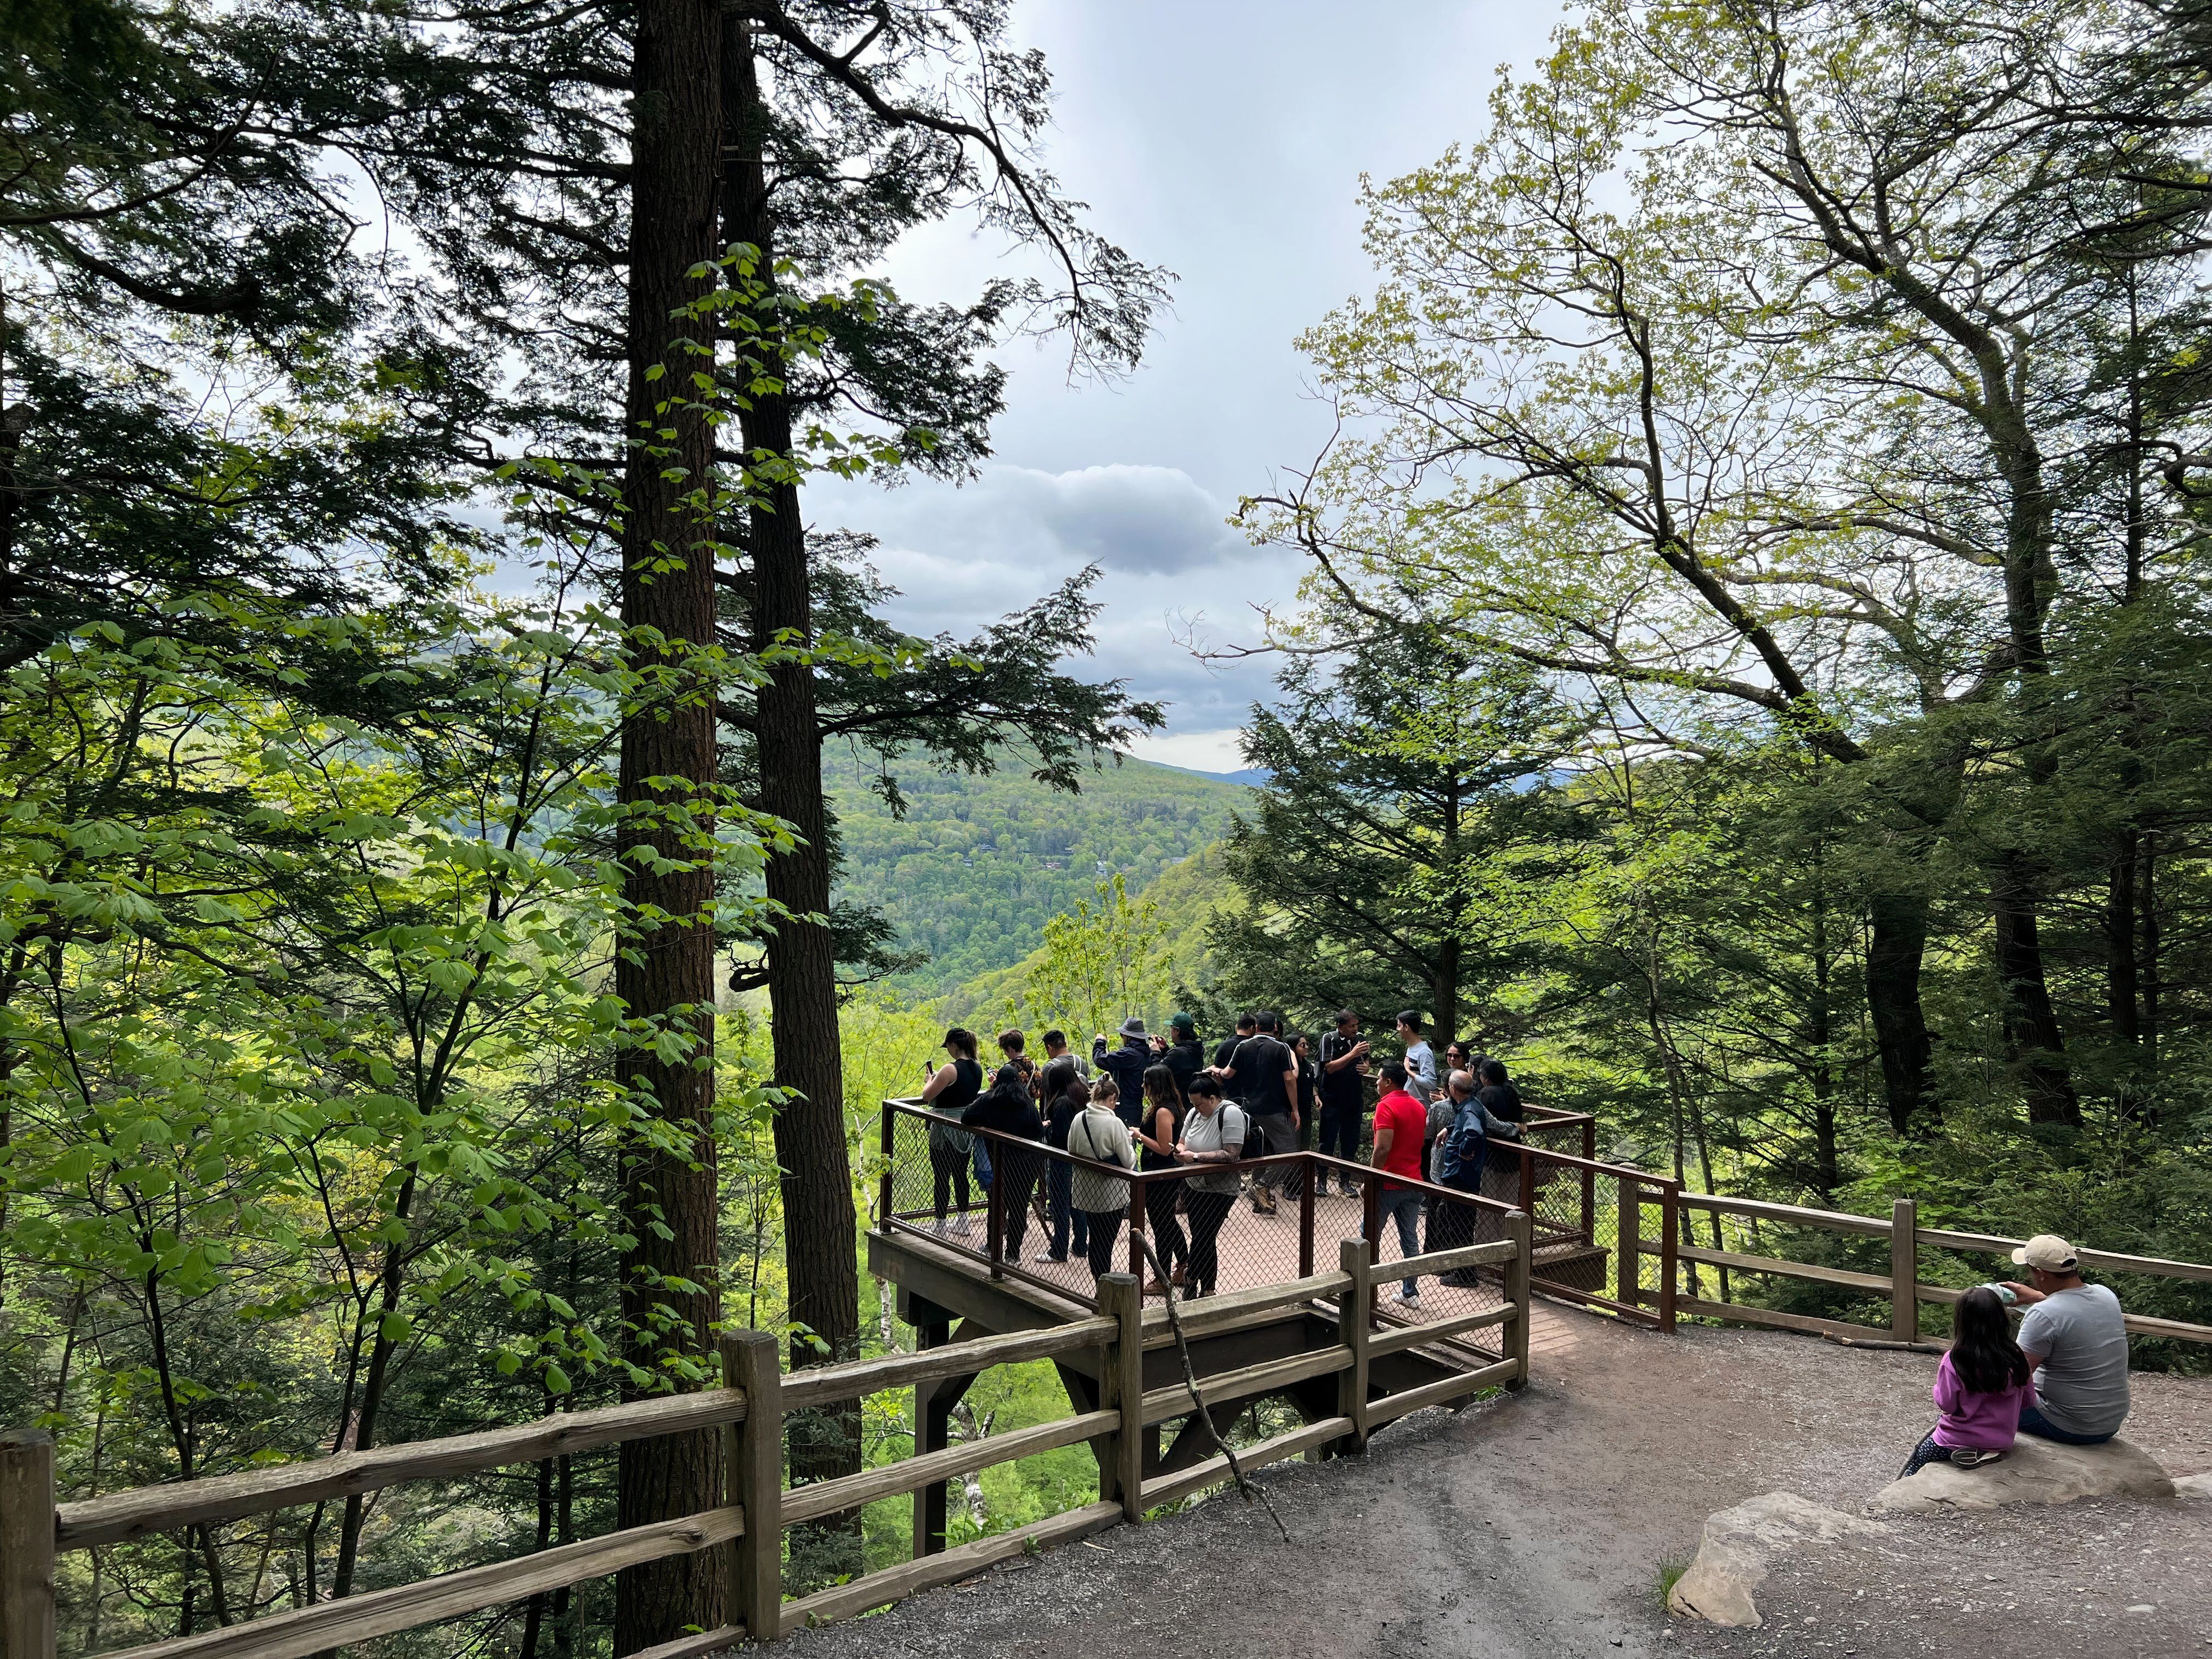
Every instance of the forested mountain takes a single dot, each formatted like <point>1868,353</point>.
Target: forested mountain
<point>977,865</point>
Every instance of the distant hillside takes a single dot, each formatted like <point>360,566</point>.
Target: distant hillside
<point>1188,894</point>
<point>979,865</point>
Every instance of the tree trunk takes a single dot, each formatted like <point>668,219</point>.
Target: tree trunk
<point>664,972</point>
<point>1897,939</point>
<point>1821,1037</point>
<point>819,1221</point>
<point>2033,1040</point>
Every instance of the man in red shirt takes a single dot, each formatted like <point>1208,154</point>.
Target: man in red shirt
<point>1400,1123</point>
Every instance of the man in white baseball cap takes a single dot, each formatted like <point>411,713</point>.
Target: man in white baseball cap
<point>2076,1337</point>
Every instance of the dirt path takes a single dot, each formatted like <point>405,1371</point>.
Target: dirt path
<point>1533,1524</point>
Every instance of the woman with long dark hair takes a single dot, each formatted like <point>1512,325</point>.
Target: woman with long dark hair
<point>1981,1386</point>
<point>1156,1147</point>
<point>950,1089</point>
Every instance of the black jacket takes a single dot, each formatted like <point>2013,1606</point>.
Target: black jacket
<point>1006,1107</point>
<point>1126,1065</point>
<point>1186,1060</point>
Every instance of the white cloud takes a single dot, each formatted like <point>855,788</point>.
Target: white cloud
<point>1195,751</point>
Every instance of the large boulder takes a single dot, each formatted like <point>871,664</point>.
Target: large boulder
<point>1739,1544</point>
<point>2033,1472</point>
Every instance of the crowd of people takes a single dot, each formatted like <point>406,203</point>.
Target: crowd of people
<point>1147,1101</point>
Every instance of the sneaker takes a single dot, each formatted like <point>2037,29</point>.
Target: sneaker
<point>1409,1300</point>
<point>1013,1258</point>
<point>1055,1258</point>
<point>1966,1457</point>
<point>959,1225</point>
<point>1175,1278</point>
<point>1347,1189</point>
<point>1154,1287</point>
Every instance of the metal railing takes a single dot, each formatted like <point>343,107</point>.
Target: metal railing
<point>1577,1206</point>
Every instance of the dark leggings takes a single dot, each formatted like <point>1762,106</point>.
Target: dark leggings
<point>1105,1229</point>
<point>1167,1230</point>
<point>1925,1453</point>
<point>1017,1173</point>
<point>1207,1212</point>
<point>950,1168</point>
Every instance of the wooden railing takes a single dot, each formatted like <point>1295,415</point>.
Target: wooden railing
<point>749,1409</point>
<point>1901,1285</point>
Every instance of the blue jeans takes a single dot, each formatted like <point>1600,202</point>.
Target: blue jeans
<point>1405,1204</point>
<point>2032,1421</point>
<point>983,1164</point>
<point>1060,1179</point>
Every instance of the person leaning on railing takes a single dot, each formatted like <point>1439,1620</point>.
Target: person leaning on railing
<point>1156,1144</point>
<point>1462,1148</point>
<point>1008,1109</point>
<point>950,1088</point>
<point>2076,1337</point>
<point>1213,1138</point>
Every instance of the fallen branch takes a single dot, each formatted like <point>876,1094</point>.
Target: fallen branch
<point>1245,1484</point>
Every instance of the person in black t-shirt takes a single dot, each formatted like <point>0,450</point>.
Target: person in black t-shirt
<point>1225,1051</point>
<point>1267,1073</point>
<point>1067,1094</point>
<point>1343,1091</point>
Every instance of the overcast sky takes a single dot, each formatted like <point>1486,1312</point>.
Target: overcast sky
<point>1224,139</point>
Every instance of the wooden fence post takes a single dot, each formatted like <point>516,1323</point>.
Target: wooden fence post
<point>1670,1209</point>
<point>1629,1228</point>
<point>754,1481</point>
<point>1590,1183</point>
<point>1311,1169</point>
<point>1121,1298</point>
<point>27,1544</point>
<point>1904,1270</point>
<point>1521,1229</point>
<point>1352,1256</point>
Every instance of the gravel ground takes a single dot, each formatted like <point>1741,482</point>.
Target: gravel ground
<point>2107,1577</point>
<point>1537,1525</point>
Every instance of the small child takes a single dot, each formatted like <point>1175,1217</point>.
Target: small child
<point>1980,1389</point>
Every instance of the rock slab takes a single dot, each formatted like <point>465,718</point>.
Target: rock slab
<point>2033,1472</point>
<point>1739,1544</point>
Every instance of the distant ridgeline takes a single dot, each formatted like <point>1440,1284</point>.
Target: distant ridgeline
<point>979,865</point>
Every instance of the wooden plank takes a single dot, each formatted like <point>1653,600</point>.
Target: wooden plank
<point>1166,1488</point>
<point>2180,1330</point>
<point>27,1629</point>
<point>1390,1408</point>
<point>2107,1260</point>
<point>1739,1314</point>
<point>1204,1316</point>
<point>880,1589</point>
<point>695,1647</point>
<point>432,1600</point>
<point>1251,1319</point>
<point>1174,1400</point>
<point>1122,1296</point>
<point>1834,1221</point>
<point>1445,1261</point>
<point>851,1490</point>
<point>1767,1264</point>
<point>1436,1330</point>
<point>144,1510</point>
<point>823,1385</point>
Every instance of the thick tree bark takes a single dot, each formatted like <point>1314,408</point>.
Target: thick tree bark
<point>666,970</point>
<point>819,1222</point>
<point>1897,939</point>
<point>2033,1040</point>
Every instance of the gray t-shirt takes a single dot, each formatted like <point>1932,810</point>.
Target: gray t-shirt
<point>2082,1336</point>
